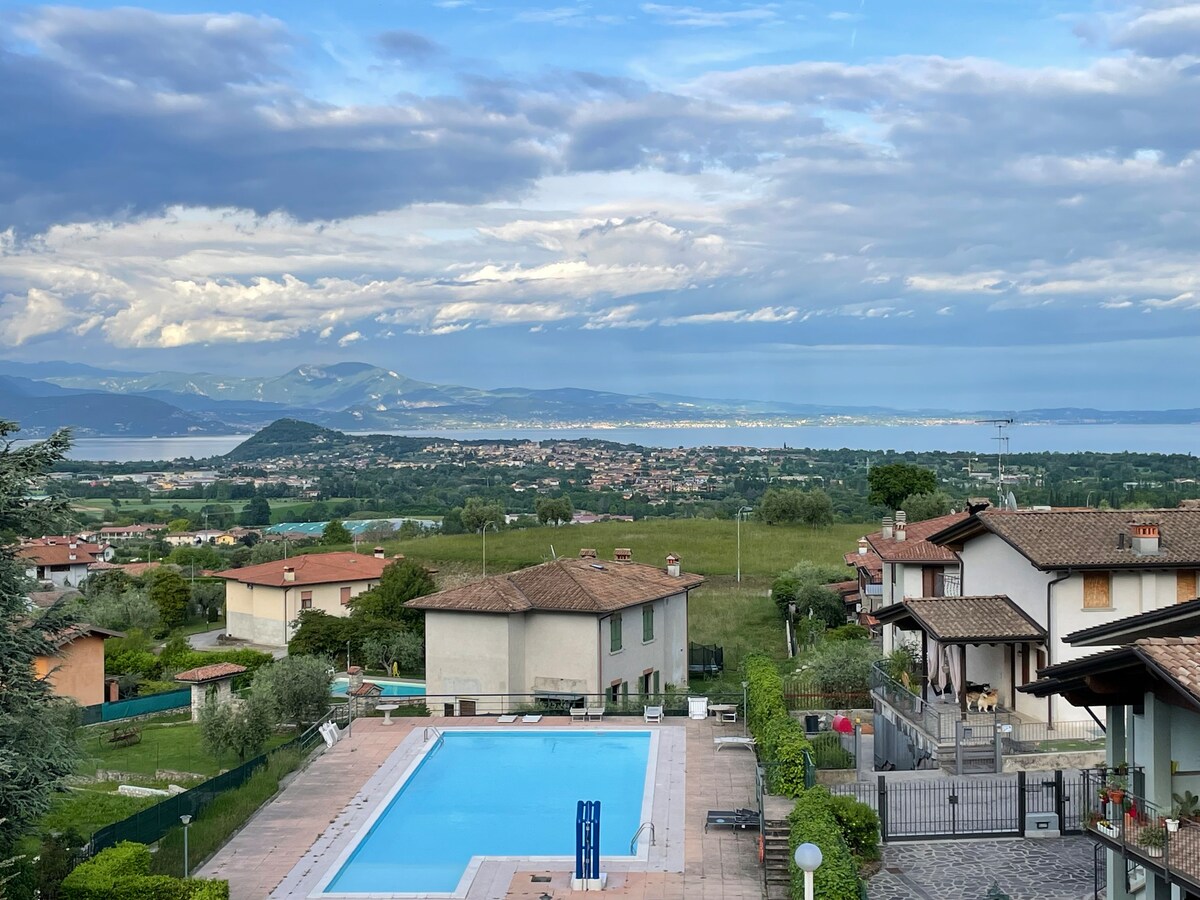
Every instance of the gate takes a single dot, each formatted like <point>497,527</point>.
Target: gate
<point>1058,793</point>
<point>943,808</point>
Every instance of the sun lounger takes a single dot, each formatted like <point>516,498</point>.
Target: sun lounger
<point>652,714</point>
<point>747,742</point>
<point>732,818</point>
<point>579,713</point>
<point>595,712</point>
<point>531,718</point>
<point>506,720</point>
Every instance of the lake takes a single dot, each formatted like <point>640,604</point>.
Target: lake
<point>974,439</point>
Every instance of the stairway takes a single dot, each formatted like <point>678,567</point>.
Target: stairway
<point>776,859</point>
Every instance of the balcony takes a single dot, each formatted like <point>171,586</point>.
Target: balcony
<point>1127,822</point>
<point>947,584</point>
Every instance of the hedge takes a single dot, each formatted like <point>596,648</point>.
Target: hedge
<point>123,873</point>
<point>860,826</point>
<point>812,821</point>
<point>781,739</point>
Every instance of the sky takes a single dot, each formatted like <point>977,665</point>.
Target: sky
<point>943,203</point>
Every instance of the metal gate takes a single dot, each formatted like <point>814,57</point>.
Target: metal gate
<point>943,808</point>
<point>1059,793</point>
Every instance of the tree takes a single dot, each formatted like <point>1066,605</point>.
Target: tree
<point>554,510</point>
<point>823,603</point>
<point>779,506</point>
<point>816,508</point>
<point>323,635</point>
<point>256,512</point>
<point>336,533</point>
<point>385,647</point>
<point>241,727</point>
<point>400,582</point>
<point>890,484</point>
<point>179,525</point>
<point>170,594</point>
<point>919,507</point>
<point>125,610</point>
<point>479,512</point>
<point>297,686</point>
<point>207,598</point>
<point>37,738</point>
<point>266,551</point>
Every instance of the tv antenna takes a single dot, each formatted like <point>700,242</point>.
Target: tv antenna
<point>1001,440</point>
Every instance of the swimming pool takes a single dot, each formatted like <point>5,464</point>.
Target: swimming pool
<point>496,793</point>
<point>390,688</point>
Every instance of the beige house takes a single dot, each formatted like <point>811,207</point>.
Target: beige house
<point>76,669</point>
<point>262,601</point>
<point>567,628</point>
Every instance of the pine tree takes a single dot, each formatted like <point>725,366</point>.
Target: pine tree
<point>37,730</point>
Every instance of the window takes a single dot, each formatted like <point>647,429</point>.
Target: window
<point>306,599</point>
<point>1096,591</point>
<point>657,686</point>
<point>1185,586</point>
<point>614,691</point>
<point>647,624</point>
<point>345,595</point>
<point>614,633</point>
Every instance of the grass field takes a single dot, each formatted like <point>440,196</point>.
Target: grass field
<point>706,546</point>
<point>279,507</point>
<point>176,747</point>
<point>740,618</point>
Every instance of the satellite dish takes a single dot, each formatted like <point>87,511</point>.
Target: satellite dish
<point>1010,502</point>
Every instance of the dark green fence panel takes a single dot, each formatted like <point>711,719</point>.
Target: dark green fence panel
<point>142,706</point>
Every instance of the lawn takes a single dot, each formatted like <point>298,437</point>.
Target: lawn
<point>741,618</point>
<point>706,546</point>
<point>91,808</point>
<point>176,747</point>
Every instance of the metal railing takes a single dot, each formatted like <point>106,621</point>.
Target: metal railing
<point>947,584</point>
<point>937,719</point>
<point>802,693</point>
<point>637,834</point>
<point>674,703</point>
<point>1061,737</point>
<point>1140,828</point>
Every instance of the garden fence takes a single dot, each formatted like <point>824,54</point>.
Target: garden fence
<point>135,706</point>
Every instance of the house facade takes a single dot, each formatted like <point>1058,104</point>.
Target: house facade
<point>909,564</point>
<point>1067,570</point>
<point>62,565</point>
<point>262,602</point>
<point>76,670</point>
<point>567,628</point>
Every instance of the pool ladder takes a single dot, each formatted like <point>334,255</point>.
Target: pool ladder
<point>433,730</point>
<point>637,834</point>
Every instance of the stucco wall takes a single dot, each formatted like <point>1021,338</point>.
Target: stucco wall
<point>467,653</point>
<point>560,653</point>
<point>258,613</point>
<point>77,671</point>
<point>666,653</point>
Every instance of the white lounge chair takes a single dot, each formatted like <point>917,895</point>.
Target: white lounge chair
<point>506,720</point>
<point>652,714</point>
<point>579,713</point>
<point>722,742</point>
<point>531,718</point>
<point>595,712</point>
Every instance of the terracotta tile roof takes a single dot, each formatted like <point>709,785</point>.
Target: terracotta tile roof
<point>211,672</point>
<point>869,562</point>
<point>366,689</point>
<point>315,568</point>
<point>135,569</point>
<point>1177,620</point>
<point>71,632</point>
<point>1177,657</point>
<point>564,585</point>
<point>1064,538</point>
<point>966,619</point>
<point>55,555</point>
<point>915,547</point>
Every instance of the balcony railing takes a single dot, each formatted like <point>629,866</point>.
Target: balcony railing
<point>1140,828</point>
<point>947,584</point>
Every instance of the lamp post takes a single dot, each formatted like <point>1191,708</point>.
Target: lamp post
<point>808,860</point>
<point>349,697</point>
<point>745,709</point>
<point>186,820</point>
<point>744,509</point>
<point>495,527</point>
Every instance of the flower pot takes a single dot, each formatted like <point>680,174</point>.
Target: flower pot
<point>1172,825</point>
<point>1154,851</point>
<point>1110,830</point>
<point>1116,795</point>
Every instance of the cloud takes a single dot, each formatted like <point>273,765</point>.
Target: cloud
<point>407,46</point>
<point>1173,31</point>
<point>695,17</point>
<point>347,339</point>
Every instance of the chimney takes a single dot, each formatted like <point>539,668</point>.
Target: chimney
<point>71,556</point>
<point>862,546</point>
<point>289,573</point>
<point>587,553</point>
<point>379,553</point>
<point>1145,540</point>
<point>901,530</point>
<point>673,565</point>
<point>887,528</point>
<point>623,554</point>
<point>355,679</point>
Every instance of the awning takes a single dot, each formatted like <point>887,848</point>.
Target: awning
<point>965,620</point>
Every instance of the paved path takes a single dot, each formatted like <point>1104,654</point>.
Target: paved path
<point>1047,869</point>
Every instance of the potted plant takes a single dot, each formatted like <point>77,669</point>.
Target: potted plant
<point>1187,805</point>
<point>1116,787</point>
<point>1106,827</point>
<point>1154,839</point>
<point>1172,820</point>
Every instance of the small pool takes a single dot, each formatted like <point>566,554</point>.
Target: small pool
<point>390,688</point>
<point>496,793</point>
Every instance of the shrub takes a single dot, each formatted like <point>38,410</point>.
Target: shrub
<point>829,753</point>
<point>843,666</point>
<point>847,633</point>
<point>859,824</point>
<point>812,821</point>
<point>781,740</point>
<point>123,873</point>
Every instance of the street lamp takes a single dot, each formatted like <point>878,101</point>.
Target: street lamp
<point>186,820</point>
<point>495,527</point>
<point>744,509</point>
<point>808,860</point>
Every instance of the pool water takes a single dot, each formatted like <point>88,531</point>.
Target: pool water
<point>390,688</point>
<point>498,793</point>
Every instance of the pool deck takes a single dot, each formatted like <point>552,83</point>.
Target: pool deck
<point>316,812</point>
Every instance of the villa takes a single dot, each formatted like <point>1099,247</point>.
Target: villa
<point>564,629</point>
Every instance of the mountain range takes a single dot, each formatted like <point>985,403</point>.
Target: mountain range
<point>353,396</point>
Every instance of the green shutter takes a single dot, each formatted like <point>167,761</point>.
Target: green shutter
<point>647,623</point>
<point>615,633</point>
